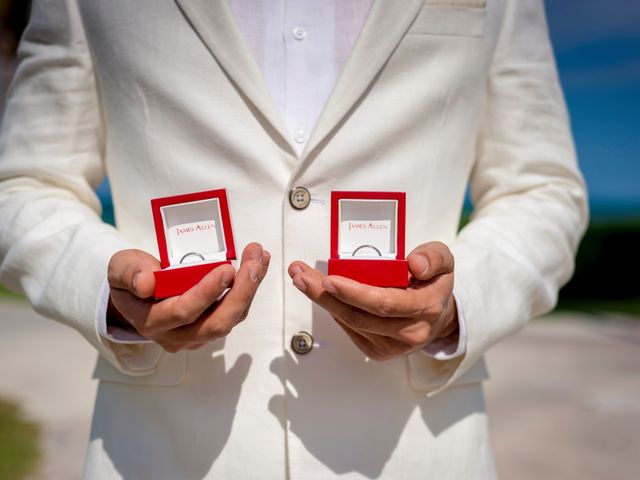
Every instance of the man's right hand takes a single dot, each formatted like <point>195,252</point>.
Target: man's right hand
<point>196,317</point>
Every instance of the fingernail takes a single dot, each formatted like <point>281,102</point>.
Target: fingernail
<point>422,264</point>
<point>299,283</point>
<point>135,281</point>
<point>227,278</point>
<point>256,255</point>
<point>266,257</point>
<point>254,272</point>
<point>295,271</point>
<point>329,286</point>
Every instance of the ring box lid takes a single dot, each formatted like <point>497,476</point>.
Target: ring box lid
<point>365,219</point>
<point>193,223</point>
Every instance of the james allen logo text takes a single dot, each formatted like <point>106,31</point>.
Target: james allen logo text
<point>195,228</point>
<point>367,226</point>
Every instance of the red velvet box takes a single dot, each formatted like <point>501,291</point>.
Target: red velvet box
<point>368,236</point>
<point>194,236</point>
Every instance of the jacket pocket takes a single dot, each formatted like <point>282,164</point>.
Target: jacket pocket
<point>170,370</point>
<point>451,17</point>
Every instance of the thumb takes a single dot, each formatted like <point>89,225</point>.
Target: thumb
<point>132,270</point>
<point>430,260</point>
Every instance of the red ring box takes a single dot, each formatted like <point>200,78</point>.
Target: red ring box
<point>361,221</point>
<point>189,227</point>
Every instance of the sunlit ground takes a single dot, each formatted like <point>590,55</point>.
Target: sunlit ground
<point>562,399</point>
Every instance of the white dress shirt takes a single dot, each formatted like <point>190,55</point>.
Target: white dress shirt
<point>300,47</point>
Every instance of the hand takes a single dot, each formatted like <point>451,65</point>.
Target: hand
<point>385,323</point>
<point>191,320</point>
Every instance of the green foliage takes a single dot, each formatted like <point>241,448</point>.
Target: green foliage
<point>627,307</point>
<point>19,451</point>
<point>607,266</point>
<point>4,293</point>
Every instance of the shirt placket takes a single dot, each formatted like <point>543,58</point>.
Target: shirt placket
<point>308,33</point>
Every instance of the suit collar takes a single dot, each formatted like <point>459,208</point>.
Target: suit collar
<point>385,26</point>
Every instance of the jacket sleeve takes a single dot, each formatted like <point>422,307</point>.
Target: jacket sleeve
<point>529,198</point>
<point>54,247</point>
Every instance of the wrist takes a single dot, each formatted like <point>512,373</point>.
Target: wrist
<point>450,327</point>
<point>115,318</point>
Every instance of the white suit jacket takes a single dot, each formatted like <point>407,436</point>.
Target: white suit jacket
<point>165,97</point>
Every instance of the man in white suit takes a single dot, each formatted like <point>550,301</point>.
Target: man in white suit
<point>282,102</point>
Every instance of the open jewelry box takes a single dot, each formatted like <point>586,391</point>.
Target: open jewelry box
<point>194,236</point>
<point>368,236</point>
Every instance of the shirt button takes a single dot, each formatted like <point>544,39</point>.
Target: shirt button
<point>299,33</point>
<point>299,197</point>
<point>302,343</point>
<point>300,136</point>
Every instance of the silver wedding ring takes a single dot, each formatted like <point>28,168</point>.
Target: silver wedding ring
<point>192,254</point>
<point>366,246</point>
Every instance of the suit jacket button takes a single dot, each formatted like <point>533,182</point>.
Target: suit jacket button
<point>302,343</point>
<point>299,197</point>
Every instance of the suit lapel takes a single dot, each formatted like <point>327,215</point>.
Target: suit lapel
<point>387,22</point>
<point>215,24</point>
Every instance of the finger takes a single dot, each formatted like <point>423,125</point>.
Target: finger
<point>194,346</point>
<point>132,270</point>
<point>245,286</point>
<point>430,260</point>
<point>266,259</point>
<point>309,281</point>
<point>252,260</point>
<point>252,252</point>
<point>387,340</point>
<point>364,344</point>
<point>376,347</point>
<point>298,267</point>
<point>152,318</point>
<point>383,302</point>
<point>219,321</point>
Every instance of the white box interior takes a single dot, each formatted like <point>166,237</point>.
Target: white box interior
<point>194,227</point>
<point>367,222</point>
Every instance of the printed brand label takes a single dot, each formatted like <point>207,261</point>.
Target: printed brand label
<point>200,237</point>
<point>355,233</point>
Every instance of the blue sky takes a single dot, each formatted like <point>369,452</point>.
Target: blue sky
<point>597,44</point>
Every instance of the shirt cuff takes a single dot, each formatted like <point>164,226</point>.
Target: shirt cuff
<point>448,348</point>
<point>114,333</point>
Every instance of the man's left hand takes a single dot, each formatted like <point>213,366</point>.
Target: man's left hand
<point>385,323</point>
